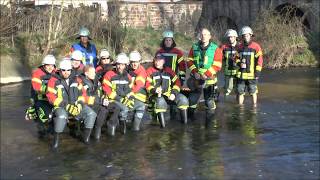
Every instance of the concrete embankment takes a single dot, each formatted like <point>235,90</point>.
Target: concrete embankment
<point>13,70</point>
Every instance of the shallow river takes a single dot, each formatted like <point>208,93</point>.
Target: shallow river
<point>277,140</point>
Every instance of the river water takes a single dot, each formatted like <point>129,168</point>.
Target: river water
<point>277,140</point>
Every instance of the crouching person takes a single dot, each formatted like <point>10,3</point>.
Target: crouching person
<point>116,85</point>
<point>139,76</point>
<point>66,93</point>
<point>41,108</point>
<point>164,85</point>
<point>97,101</point>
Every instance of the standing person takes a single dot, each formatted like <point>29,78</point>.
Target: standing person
<point>230,55</point>
<point>97,101</point>
<point>104,64</point>
<point>174,59</point>
<point>139,76</point>
<point>87,48</point>
<point>40,105</point>
<point>250,64</point>
<point>204,61</point>
<point>116,85</point>
<point>77,66</point>
<point>173,56</point>
<point>164,85</point>
<point>67,95</point>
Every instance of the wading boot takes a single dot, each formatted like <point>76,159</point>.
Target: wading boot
<point>161,119</point>
<point>123,126</point>
<point>55,143</point>
<point>183,116</point>
<point>86,135</point>
<point>136,124</point>
<point>111,130</point>
<point>191,114</point>
<point>209,118</point>
<point>97,132</point>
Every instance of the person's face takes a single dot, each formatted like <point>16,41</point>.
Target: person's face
<point>49,68</point>
<point>134,65</point>
<point>65,73</point>
<point>105,60</point>
<point>84,39</point>
<point>246,37</point>
<point>168,42</point>
<point>158,63</point>
<point>232,39</point>
<point>121,67</point>
<point>90,73</point>
<point>205,36</point>
<point>75,64</point>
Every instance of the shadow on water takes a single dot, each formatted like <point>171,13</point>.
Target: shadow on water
<point>278,139</point>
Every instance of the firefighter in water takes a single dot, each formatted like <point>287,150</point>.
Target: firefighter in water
<point>174,59</point>
<point>97,101</point>
<point>67,95</point>
<point>139,76</point>
<point>40,107</point>
<point>250,64</point>
<point>204,62</point>
<point>163,85</point>
<point>230,56</point>
<point>116,86</point>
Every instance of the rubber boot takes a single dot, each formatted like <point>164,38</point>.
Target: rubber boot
<point>55,144</point>
<point>97,132</point>
<point>191,113</point>
<point>42,130</point>
<point>136,124</point>
<point>111,130</point>
<point>161,119</point>
<point>209,118</point>
<point>123,126</point>
<point>184,116</point>
<point>172,112</point>
<point>86,135</point>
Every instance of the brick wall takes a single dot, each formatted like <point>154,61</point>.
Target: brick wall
<point>178,16</point>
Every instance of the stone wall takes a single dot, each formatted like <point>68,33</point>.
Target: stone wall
<point>178,16</point>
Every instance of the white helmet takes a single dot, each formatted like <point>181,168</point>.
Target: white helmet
<point>49,59</point>
<point>104,53</point>
<point>122,58</point>
<point>246,30</point>
<point>65,64</point>
<point>231,32</point>
<point>77,55</point>
<point>134,56</point>
<point>167,34</point>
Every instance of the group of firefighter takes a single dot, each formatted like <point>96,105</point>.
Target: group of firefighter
<point>87,90</point>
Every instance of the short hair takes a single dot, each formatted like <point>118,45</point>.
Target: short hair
<point>205,28</point>
<point>87,67</point>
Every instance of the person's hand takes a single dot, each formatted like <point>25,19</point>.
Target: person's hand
<point>159,90</point>
<point>172,97</point>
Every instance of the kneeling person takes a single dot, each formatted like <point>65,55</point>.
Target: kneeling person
<point>97,101</point>
<point>164,85</point>
<point>67,95</point>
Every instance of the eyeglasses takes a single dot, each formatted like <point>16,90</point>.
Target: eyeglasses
<point>105,58</point>
<point>65,69</point>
